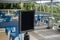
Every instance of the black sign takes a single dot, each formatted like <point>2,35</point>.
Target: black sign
<point>26,19</point>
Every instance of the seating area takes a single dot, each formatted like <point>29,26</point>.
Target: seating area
<point>12,25</point>
<point>40,17</point>
<point>8,24</point>
<point>29,19</point>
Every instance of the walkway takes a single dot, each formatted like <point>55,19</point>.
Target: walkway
<point>46,34</point>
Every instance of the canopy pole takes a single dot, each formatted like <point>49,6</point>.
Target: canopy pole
<point>40,5</point>
<point>51,15</point>
<point>51,8</point>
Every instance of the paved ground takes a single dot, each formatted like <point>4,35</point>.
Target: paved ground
<point>4,37</point>
<point>31,37</point>
<point>46,34</point>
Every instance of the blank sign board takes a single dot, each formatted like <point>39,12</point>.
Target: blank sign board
<point>26,20</point>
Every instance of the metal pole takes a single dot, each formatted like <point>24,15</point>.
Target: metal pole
<point>51,15</point>
<point>8,11</point>
<point>51,8</point>
<point>40,5</point>
<point>51,11</point>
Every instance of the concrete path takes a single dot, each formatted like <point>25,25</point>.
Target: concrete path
<point>41,33</point>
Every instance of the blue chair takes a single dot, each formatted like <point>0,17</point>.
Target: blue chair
<point>36,19</point>
<point>17,12</point>
<point>2,13</point>
<point>13,35</point>
<point>7,18</point>
<point>7,29</point>
<point>46,21</point>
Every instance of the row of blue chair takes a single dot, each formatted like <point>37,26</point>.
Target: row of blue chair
<point>39,18</point>
<point>5,18</point>
<point>16,12</point>
<point>2,13</point>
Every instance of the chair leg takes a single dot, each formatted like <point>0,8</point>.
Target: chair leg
<point>13,38</point>
<point>6,31</point>
<point>20,36</point>
<point>9,34</point>
<point>9,38</point>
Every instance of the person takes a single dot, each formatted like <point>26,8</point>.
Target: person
<point>26,36</point>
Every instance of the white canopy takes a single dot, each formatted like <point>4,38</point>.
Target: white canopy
<point>16,1</point>
<point>9,1</point>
